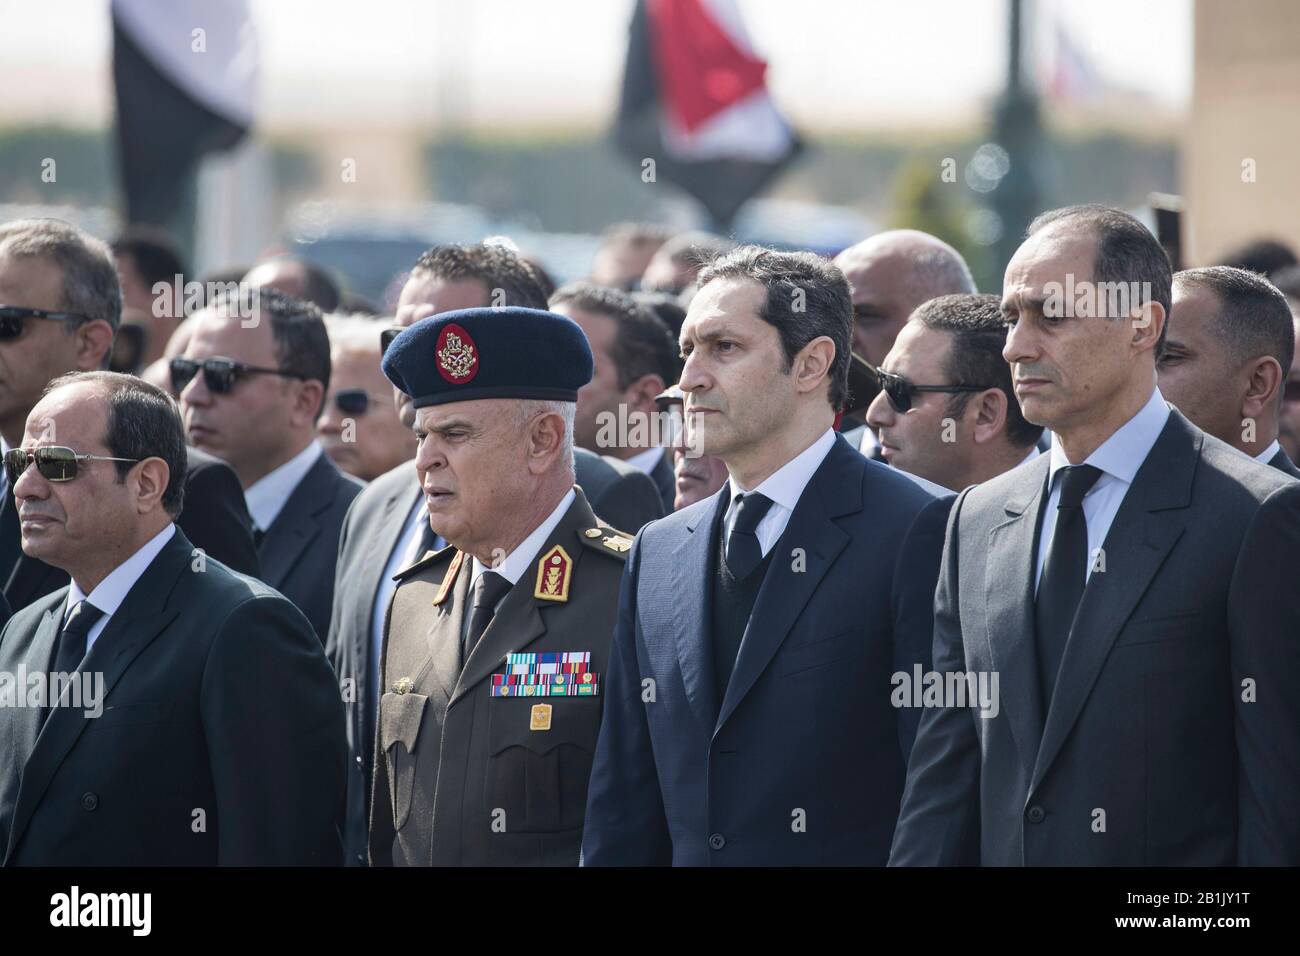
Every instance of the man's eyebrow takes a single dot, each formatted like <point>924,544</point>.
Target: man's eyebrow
<point>445,425</point>
<point>1023,304</point>
<point>712,335</point>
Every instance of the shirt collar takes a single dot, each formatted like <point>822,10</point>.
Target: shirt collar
<point>1267,454</point>
<point>109,594</point>
<point>266,496</point>
<point>786,484</point>
<point>646,460</point>
<point>1122,454</point>
<point>518,560</point>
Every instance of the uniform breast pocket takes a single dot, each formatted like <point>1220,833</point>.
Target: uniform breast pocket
<point>539,761</point>
<point>400,716</point>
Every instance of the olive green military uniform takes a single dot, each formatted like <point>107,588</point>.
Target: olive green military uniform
<point>484,761</point>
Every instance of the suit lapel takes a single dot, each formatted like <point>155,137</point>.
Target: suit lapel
<point>521,618</point>
<point>27,720</point>
<point>295,526</point>
<point>1149,522</point>
<point>1009,572</point>
<point>141,618</point>
<point>835,490</point>
<point>691,579</point>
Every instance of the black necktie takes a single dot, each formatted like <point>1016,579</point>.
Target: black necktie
<point>72,641</point>
<point>1065,572</point>
<point>488,590</point>
<point>258,537</point>
<point>744,553</point>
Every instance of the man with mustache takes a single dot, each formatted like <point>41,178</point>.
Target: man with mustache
<point>748,718</point>
<point>1148,713</point>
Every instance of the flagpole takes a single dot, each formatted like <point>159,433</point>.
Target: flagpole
<point>1017,128</point>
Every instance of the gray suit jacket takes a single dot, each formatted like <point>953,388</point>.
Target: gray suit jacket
<point>301,546</point>
<point>1148,754</point>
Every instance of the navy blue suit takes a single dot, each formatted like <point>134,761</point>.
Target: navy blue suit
<point>803,761</point>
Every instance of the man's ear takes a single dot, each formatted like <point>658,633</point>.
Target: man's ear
<point>94,342</point>
<point>307,401</point>
<point>813,363</point>
<point>150,477</point>
<point>990,415</point>
<point>545,441</point>
<point>1148,321</point>
<point>1264,383</point>
<point>641,393</point>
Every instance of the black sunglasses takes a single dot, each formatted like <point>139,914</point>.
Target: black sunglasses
<point>12,319</point>
<point>354,401</point>
<point>54,462</point>
<point>219,374</point>
<point>900,391</point>
<point>387,335</point>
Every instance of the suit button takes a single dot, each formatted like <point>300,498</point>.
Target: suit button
<point>1036,814</point>
<point>358,760</point>
<point>89,801</point>
<point>717,841</point>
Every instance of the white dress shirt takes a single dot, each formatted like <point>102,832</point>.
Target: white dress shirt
<point>109,594</point>
<point>1119,457</point>
<point>1267,454</point>
<point>784,486</point>
<point>646,460</point>
<point>266,496</point>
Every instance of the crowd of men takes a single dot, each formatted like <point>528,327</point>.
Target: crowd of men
<point>640,570</point>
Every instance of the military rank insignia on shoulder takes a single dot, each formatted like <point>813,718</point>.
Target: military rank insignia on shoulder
<point>608,540</point>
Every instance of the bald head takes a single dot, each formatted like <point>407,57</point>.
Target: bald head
<point>891,274</point>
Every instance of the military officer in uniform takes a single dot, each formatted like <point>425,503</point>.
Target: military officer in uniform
<point>495,647</point>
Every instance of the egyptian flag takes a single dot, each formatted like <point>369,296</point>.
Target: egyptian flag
<point>695,101</point>
<point>184,71</point>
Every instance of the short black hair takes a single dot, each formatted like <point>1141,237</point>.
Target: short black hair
<point>153,253</point>
<point>1126,251</point>
<point>302,344</point>
<point>1263,256</point>
<point>90,286</point>
<point>807,297</point>
<point>496,266</point>
<point>979,333</point>
<point>319,287</point>
<point>642,345</point>
<point>143,422</point>
<point>1253,319</point>
<point>666,306</point>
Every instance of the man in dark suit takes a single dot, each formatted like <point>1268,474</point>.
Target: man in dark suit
<point>50,269</point>
<point>636,359</point>
<point>188,714</point>
<point>748,717</point>
<point>495,648</point>
<point>1227,353</point>
<point>251,384</point>
<point>1141,720</point>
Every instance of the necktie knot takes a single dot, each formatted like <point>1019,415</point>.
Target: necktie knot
<point>489,589</point>
<point>83,617</point>
<point>1077,481</point>
<point>750,509</point>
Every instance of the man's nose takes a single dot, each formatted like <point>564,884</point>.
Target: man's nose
<point>1020,344</point>
<point>693,375</point>
<point>880,414</point>
<point>196,391</point>
<point>31,484</point>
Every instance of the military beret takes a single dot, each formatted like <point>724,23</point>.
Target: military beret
<point>489,353</point>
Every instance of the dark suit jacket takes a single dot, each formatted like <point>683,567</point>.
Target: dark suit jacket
<point>665,480</point>
<point>213,516</point>
<point>216,697</point>
<point>301,547</point>
<point>1148,754</point>
<point>803,760</point>
<point>369,534</point>
<point>1283,463</point>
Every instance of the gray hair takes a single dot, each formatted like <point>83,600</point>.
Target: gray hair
<point>90,284</point>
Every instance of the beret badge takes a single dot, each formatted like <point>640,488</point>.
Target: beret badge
<point>457,355</point>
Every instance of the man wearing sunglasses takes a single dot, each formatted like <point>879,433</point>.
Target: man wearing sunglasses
<point>252,383</point>
<point>190,717</point>
<point>946,411</point>
<point>1148,713</point>
<point>1230,346</point>
<point>359,428</point>
<point>60,304</point>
